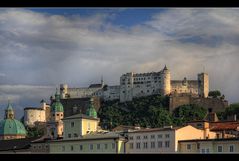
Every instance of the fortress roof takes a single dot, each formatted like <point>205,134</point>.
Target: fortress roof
<point>95,86</point>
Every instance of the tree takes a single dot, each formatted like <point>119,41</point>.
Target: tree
<point>186,113</point>
<point>232,110</point>
<point>214,94</point>
<point>34,132</point>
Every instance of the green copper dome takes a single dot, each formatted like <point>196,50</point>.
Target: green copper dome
<point>91,110</point>
<point>12,127</point>
<point>57,106</point>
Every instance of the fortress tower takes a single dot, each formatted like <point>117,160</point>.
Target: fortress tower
<point>203,84</point>
<point>63,90</point>
<point>166,81</point>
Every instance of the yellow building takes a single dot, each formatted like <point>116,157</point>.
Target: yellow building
<point>92,143</point>
<point>78,125</point>
<point>228,145</point>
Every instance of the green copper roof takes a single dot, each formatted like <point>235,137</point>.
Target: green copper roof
<point>91,110</point>
<point>12,126</point>
<point>57,106</point>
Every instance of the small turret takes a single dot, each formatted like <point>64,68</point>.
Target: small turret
<point>9,113</point>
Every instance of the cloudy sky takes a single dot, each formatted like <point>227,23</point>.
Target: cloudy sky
<point>43,47</point>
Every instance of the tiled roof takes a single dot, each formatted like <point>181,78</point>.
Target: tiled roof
<point>95,86</point>
<point>15,144</point>
<point>79,116</point>
<point>219,126</point>
<point>155,129</point>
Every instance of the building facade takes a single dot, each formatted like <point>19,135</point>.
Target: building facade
<point>163,140</point>
<point>134,85</point>
<point>36,114</point>
<point>228,145</point>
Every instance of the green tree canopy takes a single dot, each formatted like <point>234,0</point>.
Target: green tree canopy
<point>214,94</point>
<point>187,113</point>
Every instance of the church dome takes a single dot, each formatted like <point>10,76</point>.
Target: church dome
<point>12,127</point>
<point>57,106</point>
<point>91,110</point>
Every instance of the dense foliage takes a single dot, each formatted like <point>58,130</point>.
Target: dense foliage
<point>34,132</point>
<point>233,109</point>
<point>187,113</point>
<point>150,111</point>
<point>214,94</point>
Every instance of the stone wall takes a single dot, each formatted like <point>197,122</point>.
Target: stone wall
<point>217,105</point>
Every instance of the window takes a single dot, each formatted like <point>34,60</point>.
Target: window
<point>231,148</point>
<point>131,138</point>
<point>53,115</point>
<point>145,145</point>
<point>203,150</point>
<point>91,146</point>
<point>113,145</point>
<point>152,145</point>
<point>137,145</point>
<point>131,145</point>
<point>145,137</point>
<point>198,145</point>
<point>152,136</point>
<point>75,135</point>
<point>160,144</point>
<point>167,144</point>
<point>106,146</point>
<point>72,147</point>
<point>166,135</point>
<point>72,124</point>
<point>63,148</point>
<point>189,147</point>
<point>98,146</point>
<point>207,150</point>
<point>138,137</point>
<point>81,147</point>
<point>88,125</point>
<point>69,135</point>
<point>57,114</point>
<point>160,136</point>
<point>61,114</point>
<point>219,148</point>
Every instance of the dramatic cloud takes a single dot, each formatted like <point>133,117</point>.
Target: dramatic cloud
<point>45,50</point>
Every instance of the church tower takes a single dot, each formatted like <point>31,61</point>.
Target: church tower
<point>55,125</point>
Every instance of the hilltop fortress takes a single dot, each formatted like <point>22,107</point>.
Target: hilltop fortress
<point>133,85</point>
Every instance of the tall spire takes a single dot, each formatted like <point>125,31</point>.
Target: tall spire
<point>165,67</point>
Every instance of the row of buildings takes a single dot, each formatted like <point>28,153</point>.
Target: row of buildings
<point>81,133</point>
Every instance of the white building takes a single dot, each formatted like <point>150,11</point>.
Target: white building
<point>34,114</point>
<point>163,140</point>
